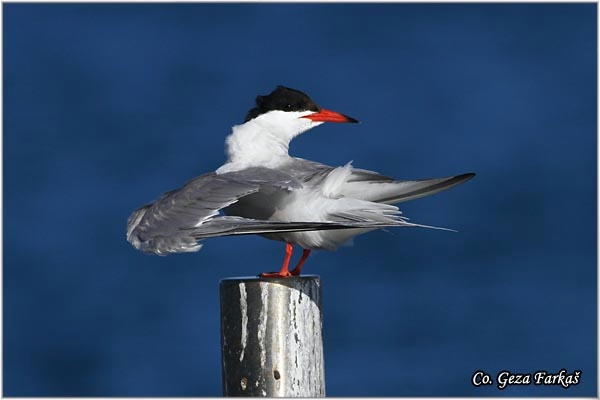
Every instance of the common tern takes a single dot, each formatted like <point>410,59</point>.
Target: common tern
<point>262,190</point>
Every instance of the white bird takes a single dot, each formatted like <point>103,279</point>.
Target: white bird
<point>262,190</point>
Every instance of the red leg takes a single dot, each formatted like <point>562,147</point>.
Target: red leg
<point>284,273</point>
<point>296,271</point>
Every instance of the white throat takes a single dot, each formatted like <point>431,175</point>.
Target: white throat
<point>264,141</point>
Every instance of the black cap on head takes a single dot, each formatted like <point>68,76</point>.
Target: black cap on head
<point>283,99</point>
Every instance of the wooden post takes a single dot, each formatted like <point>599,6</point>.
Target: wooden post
<point>271,337</point>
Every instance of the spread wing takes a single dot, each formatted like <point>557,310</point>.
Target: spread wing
<point>160,227</point>
<point>372,186</point>
<point>180,218</point>
<point>381,189</point>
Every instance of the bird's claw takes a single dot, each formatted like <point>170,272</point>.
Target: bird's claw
<point>275,274</point>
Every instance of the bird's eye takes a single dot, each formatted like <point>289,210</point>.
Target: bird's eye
<point>288,106</point>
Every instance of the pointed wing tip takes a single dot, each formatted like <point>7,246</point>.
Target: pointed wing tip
<point>458,179</point>
<point>465,177</point>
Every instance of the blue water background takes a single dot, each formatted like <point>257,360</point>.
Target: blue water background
<point>106,106</point>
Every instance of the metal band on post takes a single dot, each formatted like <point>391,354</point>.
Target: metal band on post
<point>271,337</point>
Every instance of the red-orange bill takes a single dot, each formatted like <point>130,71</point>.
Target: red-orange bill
<point>329,116</point>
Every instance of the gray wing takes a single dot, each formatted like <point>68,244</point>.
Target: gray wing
<point>372,186</point>
<point>180,218</point>
<point>160,227</point>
